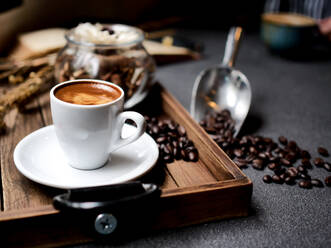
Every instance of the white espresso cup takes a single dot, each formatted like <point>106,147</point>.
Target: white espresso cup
<point>88,134</point>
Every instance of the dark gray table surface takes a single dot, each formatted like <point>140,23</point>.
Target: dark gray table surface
<point>290,98</point>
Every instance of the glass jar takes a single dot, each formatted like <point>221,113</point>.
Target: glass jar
<point>126,64</point>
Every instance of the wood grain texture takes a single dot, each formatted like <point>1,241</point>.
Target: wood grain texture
<point>169,182</point>
<point>45,108</point>
<point>18,191</point>
<point>190,173</point>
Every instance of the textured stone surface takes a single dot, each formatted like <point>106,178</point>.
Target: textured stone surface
<point>290,98</point>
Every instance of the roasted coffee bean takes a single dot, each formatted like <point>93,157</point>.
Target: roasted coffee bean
<point>289,180</point>
<point>161,139</point>
<point>257,166</point>
<point>250,158</point>
<point>242,163</point>
<point>274,159</point>
<point>183,154</point>
<point>153,120</point>
<point>292,172</point>
<point>277,179</point>
<point>176,152</point>
<point>175,143</point>
<point>324,152</point>
<point>285,162</point>
<point>304,176</point>
<point>306,162</point>
<point>193,155</point>
<point>258,163</point>
<point>155,130</point>
<point>238,153</point>
<point>259,150</point>
<point>282,140</point>
<point>165,150</point>
<point>306,184</point>
<point>267,179</point>
<point>282,176</point>
<point>168,159</point>
<point>317,183</point>
<point>291,157</point>
<point>292,145</point>
<point>279,171</point>
<point>318,162</point>
<point>210,130</point>
<point>262,155</point>
<point>327,166</point>
<point>253,150</point>
<point>328,181</point>
<point>302,169</point>
<point>181,130</point>
<point>305,154</point>
<point>273,166</point>
<point>170,138</point>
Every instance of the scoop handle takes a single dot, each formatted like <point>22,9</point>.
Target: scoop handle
<point>231,47</point>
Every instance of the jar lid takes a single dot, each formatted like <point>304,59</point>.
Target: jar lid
<point>105,35</point>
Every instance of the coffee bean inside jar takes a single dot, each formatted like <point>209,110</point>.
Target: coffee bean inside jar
<point>117,56</point>
<point>288,162</point>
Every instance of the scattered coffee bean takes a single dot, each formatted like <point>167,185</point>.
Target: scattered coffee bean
<point>267,179</point>
<point>327,166</point>
<point>259,151</point>
<point>302,169</point>
<point>279,171</point>
<point>328,181</point>
<point>304,176</point>
<point>292,171</point>
<point>258,164</point>
<point>318,162</point>
<point>317,183</point>
<point>282,176</point>
<point>282,140</point>
<point>305,184</point>
<point>285,162</point>
<point>324,152</point>
<point>238,153</point>
<point>277,179</point>
<point>306,162</point>
<point>289,181</point>
<point>181,131</point>
<point>305,154</point>
<point>273,166</point>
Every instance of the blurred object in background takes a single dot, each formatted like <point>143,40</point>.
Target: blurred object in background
<point>320,10</point>
<point>317,9</point>
<point>149,15</point>
<point>296,29</point>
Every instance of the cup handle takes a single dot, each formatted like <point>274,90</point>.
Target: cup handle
<point>138,119</point>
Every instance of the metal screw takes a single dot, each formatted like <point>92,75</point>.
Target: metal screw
<point>105,223</point>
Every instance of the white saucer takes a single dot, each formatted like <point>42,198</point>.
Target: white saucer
<point>39,157</point>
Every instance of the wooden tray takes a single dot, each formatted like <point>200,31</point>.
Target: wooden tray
<point>192,192</point>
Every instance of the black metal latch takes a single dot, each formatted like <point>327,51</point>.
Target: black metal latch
<point>111,208</point>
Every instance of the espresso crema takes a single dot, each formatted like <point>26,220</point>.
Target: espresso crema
<point>87,93</point>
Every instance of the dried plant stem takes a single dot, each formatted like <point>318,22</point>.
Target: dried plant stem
<point>24,93</point>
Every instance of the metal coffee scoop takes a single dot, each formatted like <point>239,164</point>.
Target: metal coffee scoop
<point>222,87</point>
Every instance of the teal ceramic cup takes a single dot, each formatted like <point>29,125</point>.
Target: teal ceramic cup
<point>283,32</point>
